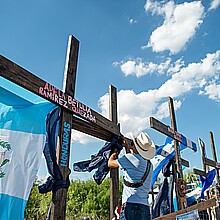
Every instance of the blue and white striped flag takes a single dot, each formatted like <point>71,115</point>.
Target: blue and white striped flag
<point>22,139</point>
<point>163,154</point>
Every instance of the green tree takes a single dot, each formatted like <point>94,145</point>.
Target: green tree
<point>38,204</point>
<point>87,199</point>
<point>84,199</point>
<point>190,177</point>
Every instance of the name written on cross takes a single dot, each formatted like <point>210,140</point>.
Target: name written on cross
<point>51,92</point>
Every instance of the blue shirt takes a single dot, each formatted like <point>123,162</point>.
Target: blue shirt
<point>134,167</point>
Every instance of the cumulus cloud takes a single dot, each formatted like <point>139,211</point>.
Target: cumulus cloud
<point>82,138</point>
<point>212,91</point>
<point>214,4</point>
<point>179,26</point>
<point>137,67</point>
<point>135,109</point>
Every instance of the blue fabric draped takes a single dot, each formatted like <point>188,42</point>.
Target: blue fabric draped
<point>99,160</point>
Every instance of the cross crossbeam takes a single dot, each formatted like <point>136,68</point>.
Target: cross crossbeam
<point>74,115</point>
<point>172,132</point>
<point>208,162</point>
<point>29,81</point>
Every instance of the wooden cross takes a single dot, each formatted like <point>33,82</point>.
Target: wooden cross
<point>172,132</point>
<point>114,173</point>
<point>205,167</point>
<point>64,140</point>
<point>74,114</point>
<point>208,162</point>
<point>216,164</point>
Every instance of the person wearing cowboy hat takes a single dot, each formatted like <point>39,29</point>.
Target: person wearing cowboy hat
<point>137,176</point>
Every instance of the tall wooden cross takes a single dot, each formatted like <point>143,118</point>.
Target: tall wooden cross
<point>208,162</point>
<point>74,114</point>
<point>172,132</point>
<point>216,164</point>
<point>114,173</point>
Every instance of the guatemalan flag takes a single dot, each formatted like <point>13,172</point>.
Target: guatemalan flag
<point>22,139</point>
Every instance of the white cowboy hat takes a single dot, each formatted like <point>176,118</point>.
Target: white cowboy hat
<point>144,145</point>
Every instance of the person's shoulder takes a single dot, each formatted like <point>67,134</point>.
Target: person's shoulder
<point>138,156</point>
<point>126,157</point>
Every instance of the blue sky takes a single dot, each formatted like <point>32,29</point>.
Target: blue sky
<point>149,50</point>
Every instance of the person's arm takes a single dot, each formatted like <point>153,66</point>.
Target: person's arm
<point>112,162</point>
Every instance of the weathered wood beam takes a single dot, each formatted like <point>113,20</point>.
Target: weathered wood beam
<point>114,172</point>
<point>170,132</point>
<point>29,81</point>
<point>214,156</point>
<point>184,162</point>
<point>199,172</point>
<point>58,209</point>
<point>181,200</point>
<point>159,126</point>
<point>211,163</point>
<point>200,206</point>
<point>91,129</point>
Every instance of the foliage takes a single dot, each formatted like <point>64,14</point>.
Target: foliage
<point>38,204</point>
<point>190,177</point>
<point>84,199</point>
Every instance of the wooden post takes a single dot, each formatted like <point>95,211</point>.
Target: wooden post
<point>114,173</point>
<point>172,132</point>
<point>214,156</point>
<point>202,146</point>
<point>58,210</point>
<point>200,207</point>
<point>176,146</point>
<point>74,114</point>
<point>208,162</point>
<point>205,168</point>
<point>182,203</point>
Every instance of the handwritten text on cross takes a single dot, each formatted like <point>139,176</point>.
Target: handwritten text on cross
<point>51,92</point>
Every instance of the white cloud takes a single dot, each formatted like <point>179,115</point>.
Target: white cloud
<point>137,67</point>
<point>214,4</point>
<point>213,91</point>
<point>135,109</point>
<point>179,26</point>
<point>176,66</point>
<point>82,138</point>
<point>162,109</point>
<point>195,75</point>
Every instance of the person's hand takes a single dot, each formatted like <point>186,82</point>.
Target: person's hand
<point>114,156</point>
<point>112,162</point>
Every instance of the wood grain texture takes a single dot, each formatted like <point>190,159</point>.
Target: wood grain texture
<point>114,173</point>
<point>199,172</point>
<point>200,206</point>
<point>58,210</point>
<point>29,81</point>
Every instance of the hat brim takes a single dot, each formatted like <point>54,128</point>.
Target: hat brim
<point>145,154</point>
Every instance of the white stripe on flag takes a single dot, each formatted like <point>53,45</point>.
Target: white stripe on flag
<point>24,160</point>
